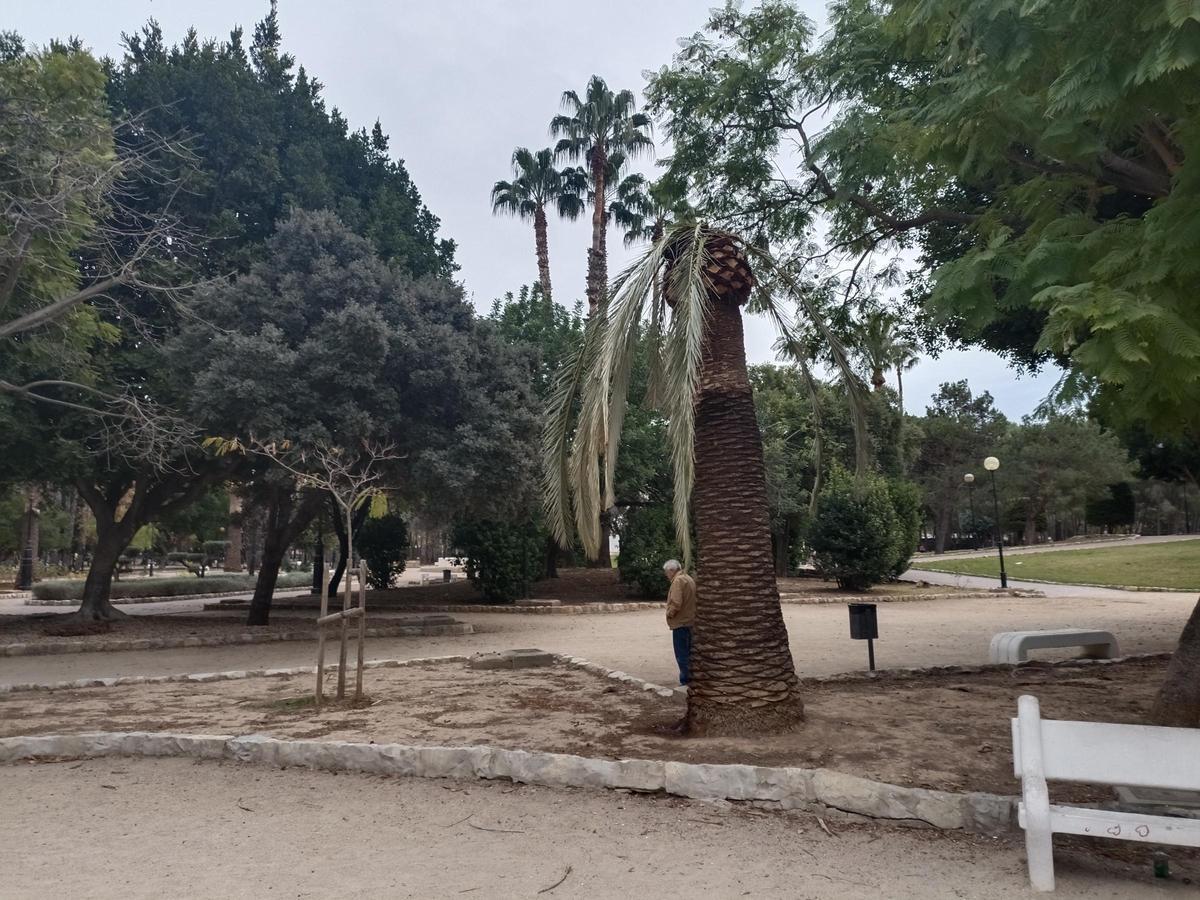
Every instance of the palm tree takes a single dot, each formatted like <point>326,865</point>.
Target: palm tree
<point>537,184</point>
<point>882,347</point>
<point>743,679</point>
<point>591,130</point>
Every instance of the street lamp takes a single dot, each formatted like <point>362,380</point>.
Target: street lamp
<point>969,480</point>
<point>25,569</point>
<point>992,464</point>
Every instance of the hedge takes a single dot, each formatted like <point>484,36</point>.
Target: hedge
<point>166,587</point>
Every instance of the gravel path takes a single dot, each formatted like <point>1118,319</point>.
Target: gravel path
<point>151,828</point>
<point>925,633</point>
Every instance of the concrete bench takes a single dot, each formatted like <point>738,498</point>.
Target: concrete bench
<point>1098,753</point>
<point>1014,646</point>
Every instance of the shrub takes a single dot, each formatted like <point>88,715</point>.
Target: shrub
<point>906,503</point>
<point>502,559</point>
<point>165,587</point>
<point>647,541</point>
<point>854,535</point>
<point>383,543</point>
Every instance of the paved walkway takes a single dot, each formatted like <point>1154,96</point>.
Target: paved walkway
<point>149,828</point>
<point>914,633</point>
<point>1064,545</point>
<point>1050,590</point>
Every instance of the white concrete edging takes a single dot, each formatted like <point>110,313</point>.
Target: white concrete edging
<point>119,645</point>
<point>201,677</point>
<point>787,788</point>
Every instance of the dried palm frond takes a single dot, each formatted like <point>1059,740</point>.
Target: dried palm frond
<point>694,261</point>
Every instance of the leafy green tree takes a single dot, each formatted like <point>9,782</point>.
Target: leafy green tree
<point>1037,157</point>
<point>1059,465</point>
<point>328,345</point>
<point>855,536</point>
<point>264,143</point>
<point>647,541</point>
<point>959,430</point>
<point>536,184</point>
<point>592,129</point>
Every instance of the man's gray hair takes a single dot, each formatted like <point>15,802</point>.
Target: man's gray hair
<point>672,565</point>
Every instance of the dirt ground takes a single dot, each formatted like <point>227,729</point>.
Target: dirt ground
<point>948,732</point>
<point>151,828</point>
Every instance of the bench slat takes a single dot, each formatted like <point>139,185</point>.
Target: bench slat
<point>1121,826</point>
<point>1103,753</point>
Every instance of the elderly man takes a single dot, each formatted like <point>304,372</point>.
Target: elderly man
<point>681,613</point>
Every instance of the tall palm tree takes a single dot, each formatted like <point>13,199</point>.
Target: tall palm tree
<point>883,347</point>
<point>591,129</point>
<point>743,679</point>
<point>537,184</point>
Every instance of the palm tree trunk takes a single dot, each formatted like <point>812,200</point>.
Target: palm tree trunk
<point>1178,701</point>
<point>233,535</point>
<point>543,249</point>
<point>743,680</point>
<point>596,283</point>
<point>900,427</point>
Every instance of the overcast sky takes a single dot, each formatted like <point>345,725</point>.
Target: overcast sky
<point>458,85</point>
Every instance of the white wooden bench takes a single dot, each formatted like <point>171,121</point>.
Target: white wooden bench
<point>1014,646</point>
<point>1098,753</point>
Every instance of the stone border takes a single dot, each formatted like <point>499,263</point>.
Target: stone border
<point>166,598</point>
<point>579,609</point>
<point>1110,587</point>
<point>782,788</point>
<point>204,677</point>
<point>226,640</point>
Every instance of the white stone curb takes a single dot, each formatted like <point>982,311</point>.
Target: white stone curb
<point>578,662</point>
<point>788,788</point>
<point>1110,587</point>
<point>115,646</point>
<point>297,591</point>
<point>200,677</point>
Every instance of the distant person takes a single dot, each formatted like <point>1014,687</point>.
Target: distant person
<point>681,614</point>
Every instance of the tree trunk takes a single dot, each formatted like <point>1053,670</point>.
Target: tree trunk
<point>900,427</point>
<point>551,566</point>
<point>233,535</point>
<point>596,286</point>
<point>339,524</point>
<point>1178,701</point>
<point>603,559</point>
<point>742,679</point>
<point>287,516</point>
<point>942,528</point>
<point>1030,529</point>
<point>543,250</point>
<point>111,541</point>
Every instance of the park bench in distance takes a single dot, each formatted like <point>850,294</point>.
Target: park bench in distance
<point>1014,646</point>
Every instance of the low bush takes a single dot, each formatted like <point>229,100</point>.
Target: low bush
<point>502,559</point>
<point>855,535</point>
<point>383,543</point>
<point>906,503</point>
<point>165,587</point>
<point>647,541</point>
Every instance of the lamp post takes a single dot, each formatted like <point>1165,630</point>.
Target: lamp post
<point>969,480</point>
<point>992,464</point>
<point>25,571</point>
<point>319,559</point>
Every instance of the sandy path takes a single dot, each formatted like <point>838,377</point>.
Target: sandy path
<point>180,828</point>
<point>918,633</point>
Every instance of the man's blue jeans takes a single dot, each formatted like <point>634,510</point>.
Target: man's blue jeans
<point>682,638</point>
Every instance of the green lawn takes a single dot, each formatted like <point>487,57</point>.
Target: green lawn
<point>1172,565</point>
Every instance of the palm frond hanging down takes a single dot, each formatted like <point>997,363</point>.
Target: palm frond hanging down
<point>592,389</point>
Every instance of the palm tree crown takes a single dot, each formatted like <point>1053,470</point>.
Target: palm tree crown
<point>591,129</point>
<point>538,183</point>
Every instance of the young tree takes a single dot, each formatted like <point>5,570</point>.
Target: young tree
<point>591,130</point>
<point>743,678</point>
<point>536,184</point>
